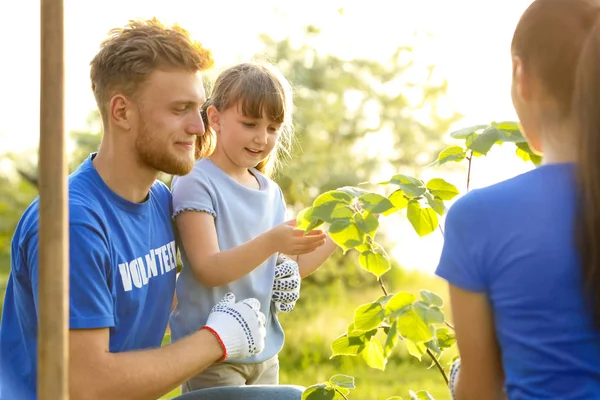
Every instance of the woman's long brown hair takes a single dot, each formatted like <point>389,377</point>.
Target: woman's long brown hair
<point>559,43</point>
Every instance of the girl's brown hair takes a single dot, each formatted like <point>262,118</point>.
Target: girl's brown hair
<point>259,89</point>
<point>559,43</point>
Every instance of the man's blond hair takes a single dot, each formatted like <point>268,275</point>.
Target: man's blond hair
<point>131,53</point>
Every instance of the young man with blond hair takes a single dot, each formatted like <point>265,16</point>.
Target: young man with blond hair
<point>147,82</point>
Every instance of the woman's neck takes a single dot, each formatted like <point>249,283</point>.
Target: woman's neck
<point>559,143</point>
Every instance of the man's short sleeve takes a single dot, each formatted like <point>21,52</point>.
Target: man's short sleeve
<point>193,192</point>
<point>91,301</point>
<point>461,261</point>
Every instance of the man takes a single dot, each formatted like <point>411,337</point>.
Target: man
<point>147,82</point>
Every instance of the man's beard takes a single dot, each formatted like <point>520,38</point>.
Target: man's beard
<point>154,155</point>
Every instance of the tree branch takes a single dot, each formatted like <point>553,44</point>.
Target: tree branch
<point>341,394</point>
<point>470,158</point>
<point>385,292</point>
<point>438,365</point>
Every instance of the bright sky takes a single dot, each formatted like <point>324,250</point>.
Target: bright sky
<point>468,40</point>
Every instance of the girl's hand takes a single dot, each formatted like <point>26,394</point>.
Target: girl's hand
<point>288,240</point>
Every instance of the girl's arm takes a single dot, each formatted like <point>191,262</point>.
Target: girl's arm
<point>214,267</point>
<point>310,262</point>
<point>481,375</point>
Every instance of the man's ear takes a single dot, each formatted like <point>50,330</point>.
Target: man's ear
<point>214,118</point>
<point>120,111</point>
<point>521,80</point>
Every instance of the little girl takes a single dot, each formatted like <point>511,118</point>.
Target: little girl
<point>523,256</point>
<point>230,218</point>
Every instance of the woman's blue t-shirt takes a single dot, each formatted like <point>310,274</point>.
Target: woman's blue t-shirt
<point>516,242</point>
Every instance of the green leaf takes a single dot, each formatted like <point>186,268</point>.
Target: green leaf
<point>343,381</point>
<point>412,327</point>
<point>327,211</point>
<point>484,142</point>
<point>463,133</point>
<point>445,338</point>
<point>351,343</point>
<point>423,220</point>
<point>368,316</point>
<point>304,218</point>
<point>373,354</point>
<point>314,224</point>
<point>470,139</point>
<point>429,314</point>
<point>432,298</point>
<point>347,346</point>
<point>433,346</point>
<point>335,196</point>
<point>365,335</point>
<point>510,132</point>
<point>361,248</point>
<point>340,224</point>
<point>399,304</point>
<point>420,395</point>
<point>353,191</point>
<point>435,203</point>
<point>391,340</point>
<point>452,153</point>
<point>375,203</point>
<point>508,126</point>
<point>375,263</point>
<point>166,339</point>
<point>412,187</point>
<point>395,398</point>
<point>526,154</point>
<point>416,350</point>
<point>368,223</point>
<point>321,391</point>
<point>342,212</point>
<point>442,189</point>
<point>346,234</point>
<point>398,199</point>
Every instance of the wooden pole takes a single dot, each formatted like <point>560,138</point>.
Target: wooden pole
<point>53,277</point>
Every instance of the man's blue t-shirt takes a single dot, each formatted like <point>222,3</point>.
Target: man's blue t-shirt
<point>516,242</point>
<point>122,275</point>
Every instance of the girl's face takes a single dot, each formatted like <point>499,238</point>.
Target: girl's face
<point>245,141</point>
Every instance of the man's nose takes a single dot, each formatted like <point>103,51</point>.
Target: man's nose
<point>196,126</point>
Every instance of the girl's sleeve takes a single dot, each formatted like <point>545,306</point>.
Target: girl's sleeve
<point>193,192</point>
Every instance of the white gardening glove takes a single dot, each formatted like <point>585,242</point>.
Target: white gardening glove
<point>239,327</point>
<point>453,379</point>
<point>286,286</point>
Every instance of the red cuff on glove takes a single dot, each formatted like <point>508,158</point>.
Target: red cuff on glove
<point>219,339</point>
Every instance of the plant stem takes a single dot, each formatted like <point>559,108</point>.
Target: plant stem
<point>341,394</point>
<point>441,230</point>
<point>450,326</point>
<point>438,365</point>
<point>385,292</point>
<point>435,360</point>
<point>470,158</point>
